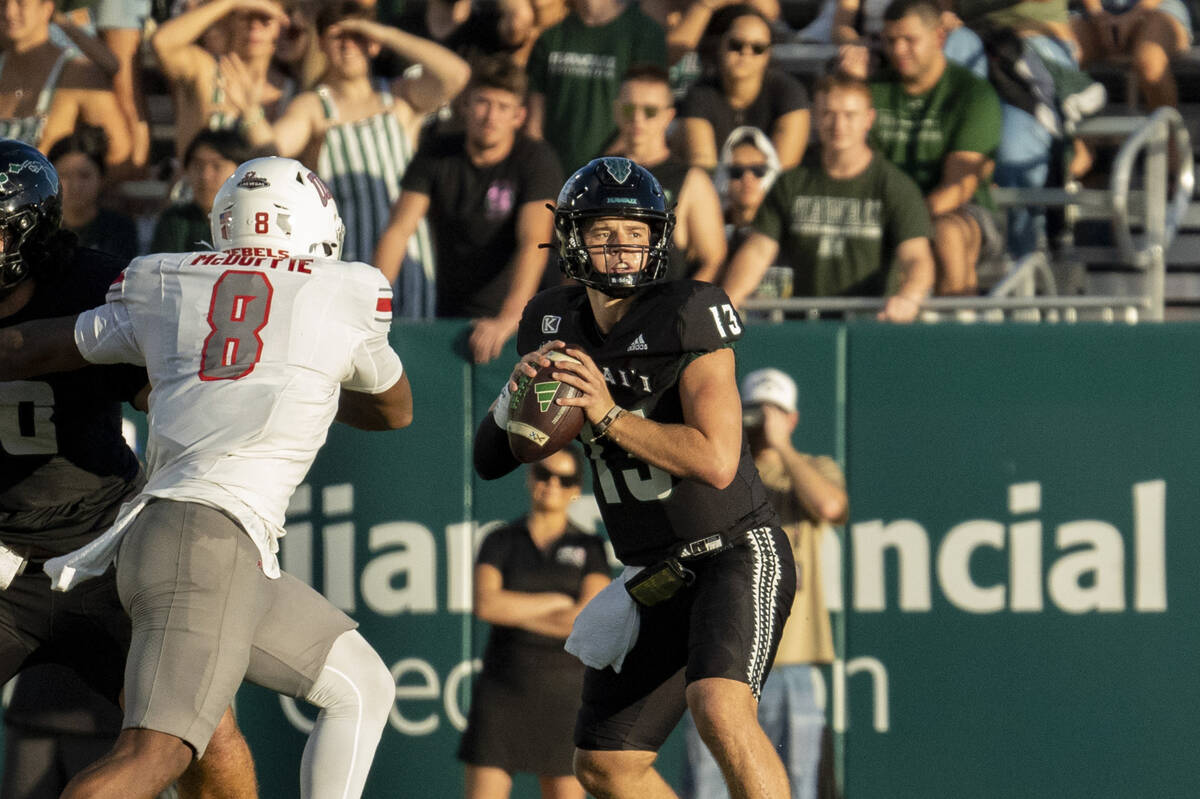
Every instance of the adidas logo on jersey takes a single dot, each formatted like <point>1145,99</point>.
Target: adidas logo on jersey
<point>638,344</point>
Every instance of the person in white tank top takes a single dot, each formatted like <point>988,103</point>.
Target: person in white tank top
<point>360,134</point>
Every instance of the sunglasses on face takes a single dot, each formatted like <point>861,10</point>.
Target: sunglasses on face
<point>543,475</point>
<point>628,110</point>
<point>740,46</point>
<point>738,172</point>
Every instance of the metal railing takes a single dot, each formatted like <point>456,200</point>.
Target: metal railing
<point>959,309</point>
<point>1028,291</point>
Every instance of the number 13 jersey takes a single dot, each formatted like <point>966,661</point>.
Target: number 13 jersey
<point>647,511</point>
<point>246,350</point>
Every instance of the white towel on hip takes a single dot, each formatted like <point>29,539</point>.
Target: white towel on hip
<point>93,559</point>
<point>607,627</point>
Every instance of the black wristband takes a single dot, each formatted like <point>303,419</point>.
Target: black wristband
<point>601,427</point>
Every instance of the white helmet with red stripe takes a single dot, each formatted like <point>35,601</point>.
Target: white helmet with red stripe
<point>277,202</point>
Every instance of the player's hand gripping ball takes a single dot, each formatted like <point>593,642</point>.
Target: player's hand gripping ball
<point>537,425</point>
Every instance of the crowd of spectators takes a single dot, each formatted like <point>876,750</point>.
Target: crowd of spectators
<point>443,186</point>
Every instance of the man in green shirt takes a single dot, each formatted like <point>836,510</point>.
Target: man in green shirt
<point>847,222</point>
<point>941,125</point>
<point>575,72</point>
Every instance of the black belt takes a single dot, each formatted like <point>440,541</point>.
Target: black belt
<point>710,545</point>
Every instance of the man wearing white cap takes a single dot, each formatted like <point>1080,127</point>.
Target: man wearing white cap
<point>809,494</point>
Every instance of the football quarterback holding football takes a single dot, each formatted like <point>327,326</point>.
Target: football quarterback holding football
<point>713,575</point>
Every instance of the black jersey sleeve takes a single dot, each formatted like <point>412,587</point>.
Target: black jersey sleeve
<point>96,271</point>
<point>490,454</point>
<point>707,320</point>
<point>551,314</point>
<point>528,337</point>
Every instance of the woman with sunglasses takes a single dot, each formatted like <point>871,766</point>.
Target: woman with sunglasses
<point>746,170</point>
<point>744,91</point>
<point>532,577</point>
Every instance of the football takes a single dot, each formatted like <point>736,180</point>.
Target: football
<point>537,425</point>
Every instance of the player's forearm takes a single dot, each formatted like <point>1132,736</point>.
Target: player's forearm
<point>387,410</point>
<point>678,449</point>
<point>39,347</point>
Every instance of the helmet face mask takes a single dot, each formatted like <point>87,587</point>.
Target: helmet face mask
<point>30,209</point>
<point>612,188</point>
<point>277,202</point>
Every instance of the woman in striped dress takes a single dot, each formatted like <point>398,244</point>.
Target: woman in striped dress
<point>359,134</point>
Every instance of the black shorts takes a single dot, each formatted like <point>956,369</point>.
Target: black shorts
<point>726,624</point>
<point>85,628</point>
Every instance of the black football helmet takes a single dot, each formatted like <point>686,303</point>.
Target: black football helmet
<point>612,187</point>
<point>30,207</point>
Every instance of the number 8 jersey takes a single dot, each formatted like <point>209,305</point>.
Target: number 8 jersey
<point>647,511</point>
<point>246,351</point>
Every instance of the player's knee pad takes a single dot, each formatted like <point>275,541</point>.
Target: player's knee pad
<point>354,682</point>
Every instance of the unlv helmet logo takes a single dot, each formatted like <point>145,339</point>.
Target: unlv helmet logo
<point>251,180</point>
<point>322,190</point>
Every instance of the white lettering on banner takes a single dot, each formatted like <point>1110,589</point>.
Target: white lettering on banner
<point>402,579</point>
<point>464,670</point>
<point>880,717</point>
<point>427,688</point>
<point>1085,575</point>
<point>1088,576</point>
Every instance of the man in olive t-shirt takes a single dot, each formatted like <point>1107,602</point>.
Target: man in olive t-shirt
<point>846,221</point>
<point>941,125</point>
<point>575,72</point>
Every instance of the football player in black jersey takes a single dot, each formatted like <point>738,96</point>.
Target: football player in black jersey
<point>64,466</point>
<point>677,489</point>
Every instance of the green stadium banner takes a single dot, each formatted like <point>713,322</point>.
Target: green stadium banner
<point>1015,594</point>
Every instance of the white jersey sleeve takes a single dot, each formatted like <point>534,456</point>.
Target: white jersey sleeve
<point>105,334</point>
<point>375,365</point>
